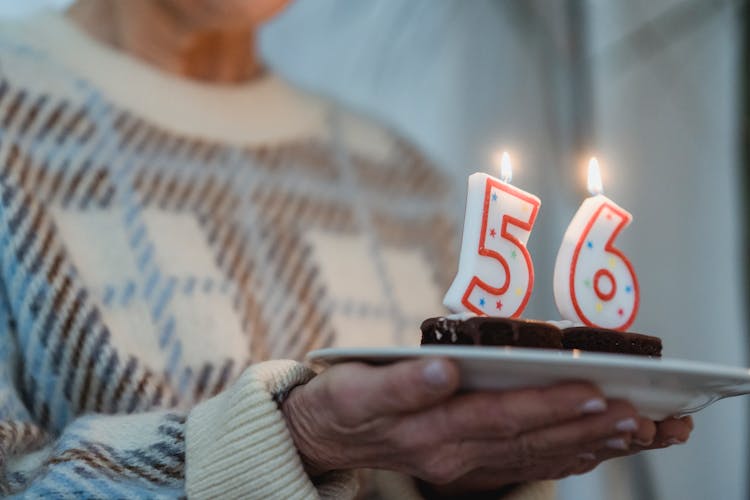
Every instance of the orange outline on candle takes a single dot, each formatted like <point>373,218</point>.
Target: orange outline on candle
<point>625,219</point>
<point>483,251</point>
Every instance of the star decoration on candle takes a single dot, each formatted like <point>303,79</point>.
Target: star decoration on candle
<point>513,254</point>
<point>493,233</point>
<point>482,302</point>
<point>499,305</point>
<point>628,289</point>
<point>590,244</point>
<point>494,196</point>
<point>620,311</point>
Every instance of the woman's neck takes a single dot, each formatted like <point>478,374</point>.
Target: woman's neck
<point>157,33</point>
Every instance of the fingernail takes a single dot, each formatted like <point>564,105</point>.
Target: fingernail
<point>626,425</point>
<point>587,456</point>
<point>672,441</point>
<point>435,373</point>
<point>643,443</point>
<point>595,405</point>
<point>617,444</point>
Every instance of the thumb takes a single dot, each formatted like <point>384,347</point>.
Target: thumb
<point>366,392</point>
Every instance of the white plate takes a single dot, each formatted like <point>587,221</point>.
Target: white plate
<point>659,388</point>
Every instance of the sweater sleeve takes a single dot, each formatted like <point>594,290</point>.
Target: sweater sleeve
<point>234,445</point>
<point>238,445</point>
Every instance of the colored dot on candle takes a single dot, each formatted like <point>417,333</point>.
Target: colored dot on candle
<point>620,311</point>
<point>513,254</point>
<point>590,244</point>
<point>519,291</point>
<point>587,283</point>
<point>628,289</point>
<point>494,196</point>
<point>493,233</point>
<point>599,307</point>
<point>609,216</point>
<point>499,304</point>
<point>482,302</point>
<point>524,208</point>
<point>612,262</point>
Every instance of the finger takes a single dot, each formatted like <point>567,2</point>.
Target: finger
<point>646,432</point>
<point>688,420</point>
<point>363,392</point>
<point>619,446</point>
<point>620,419</point>
<point>672,431</point>
<point>498,415</point>
<point>559,444</point>
<point>577,439</point>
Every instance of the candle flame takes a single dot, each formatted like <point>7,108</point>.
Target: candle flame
<point>595,177</point>
<point>506,169</point>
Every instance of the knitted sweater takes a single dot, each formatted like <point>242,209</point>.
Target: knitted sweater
<point>156,260</point>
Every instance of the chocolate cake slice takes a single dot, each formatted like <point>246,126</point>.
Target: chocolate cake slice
<point>490,331</point>
<point>588,338</point>
<point>493,331</point>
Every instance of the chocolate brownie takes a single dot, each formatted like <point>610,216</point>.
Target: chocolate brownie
<point>604,340</point>
<point>494,331</point>
<point>490,331</point>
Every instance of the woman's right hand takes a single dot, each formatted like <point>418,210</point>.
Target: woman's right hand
<point>408,417</point>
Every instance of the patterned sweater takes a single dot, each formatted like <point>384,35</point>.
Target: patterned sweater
<point>150,274</point>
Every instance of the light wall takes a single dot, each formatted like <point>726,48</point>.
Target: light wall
<point>660,101</point>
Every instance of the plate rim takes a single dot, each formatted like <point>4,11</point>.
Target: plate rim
<point>587,358</point>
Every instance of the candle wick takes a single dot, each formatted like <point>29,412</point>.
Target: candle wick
<point>506,170</point>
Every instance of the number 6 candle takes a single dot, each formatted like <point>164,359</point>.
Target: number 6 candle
<point>594,283</point>
<point>495,273</point>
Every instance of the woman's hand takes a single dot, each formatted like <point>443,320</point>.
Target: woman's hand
<point>407,417</point>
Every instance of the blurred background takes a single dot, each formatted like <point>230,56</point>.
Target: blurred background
<point>657,89</point>
<point>654,88</point>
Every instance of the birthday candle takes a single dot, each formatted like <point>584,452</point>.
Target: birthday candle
<point>594,283</point>
<point>495,273</point>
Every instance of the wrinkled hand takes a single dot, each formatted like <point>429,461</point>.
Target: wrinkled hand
<point>408,417</point>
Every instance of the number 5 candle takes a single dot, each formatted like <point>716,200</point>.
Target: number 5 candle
<point>495,273</point>
<point>594,283</point>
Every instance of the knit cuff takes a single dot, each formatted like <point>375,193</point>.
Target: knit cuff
<point>394,485</point>
<point>238,445</point>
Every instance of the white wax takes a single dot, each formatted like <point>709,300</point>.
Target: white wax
<point>495,275</point>
<point>462,316</point>
<point>594,283</point>
<point>563,323</point>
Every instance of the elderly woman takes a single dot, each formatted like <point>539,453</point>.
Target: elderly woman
<point>167,238</point>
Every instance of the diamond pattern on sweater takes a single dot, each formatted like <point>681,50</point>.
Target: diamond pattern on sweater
<point>145,268</point>
<point>141,269</point>
<point>187,321</point>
